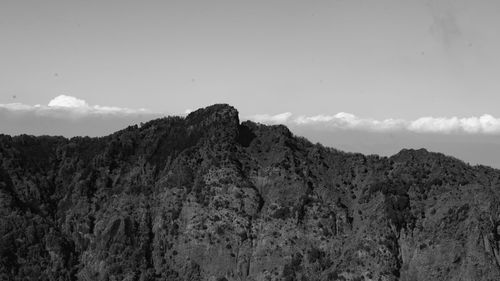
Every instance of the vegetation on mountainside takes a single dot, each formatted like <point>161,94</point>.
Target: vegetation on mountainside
<point>209,198</point>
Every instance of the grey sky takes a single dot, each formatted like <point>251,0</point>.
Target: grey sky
<point>384,59</point>
<point>380,59</point>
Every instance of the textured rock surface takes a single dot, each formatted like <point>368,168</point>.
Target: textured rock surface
<point>207,198</point>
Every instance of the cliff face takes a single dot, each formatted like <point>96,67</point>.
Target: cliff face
<point>207,198</point>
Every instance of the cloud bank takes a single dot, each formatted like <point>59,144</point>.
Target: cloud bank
<point>68,116</point>
<point>69,106</point>
<point>485,124</point>
<point>71,110</point>
<point>271,119</point>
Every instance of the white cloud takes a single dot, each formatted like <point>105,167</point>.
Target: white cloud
<point>69,116</point>
<point>271,119</point>
<point>68,101</point>
<point>345,120</point>
<point>485,124</point>
<point>64,105</point>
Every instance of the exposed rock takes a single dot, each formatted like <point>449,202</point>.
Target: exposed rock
<point>209,198</point>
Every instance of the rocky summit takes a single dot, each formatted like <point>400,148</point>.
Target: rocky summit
<point>206,197</point>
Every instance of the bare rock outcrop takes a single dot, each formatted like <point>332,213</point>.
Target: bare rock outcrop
<point>207,197</point>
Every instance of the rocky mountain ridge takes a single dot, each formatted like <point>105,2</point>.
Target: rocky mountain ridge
<point>206,197</point>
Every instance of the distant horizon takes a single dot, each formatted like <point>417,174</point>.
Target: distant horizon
<point>367,76</point>
<point>97,121</point>
<point>381,60</point>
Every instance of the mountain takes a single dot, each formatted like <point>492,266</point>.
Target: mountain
<point>206,197</point>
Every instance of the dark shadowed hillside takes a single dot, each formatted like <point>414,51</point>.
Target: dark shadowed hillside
<point>209,198</point>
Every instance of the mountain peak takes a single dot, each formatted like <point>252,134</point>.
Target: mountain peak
<point>207,198</point>
<point>219,120</point>
<point>214,114</point>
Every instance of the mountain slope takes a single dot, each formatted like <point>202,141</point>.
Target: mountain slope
<point>209,198</point>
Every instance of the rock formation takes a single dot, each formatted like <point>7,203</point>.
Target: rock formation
<point>209,198</point>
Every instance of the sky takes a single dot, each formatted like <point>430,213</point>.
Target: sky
<point>410,70</point>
